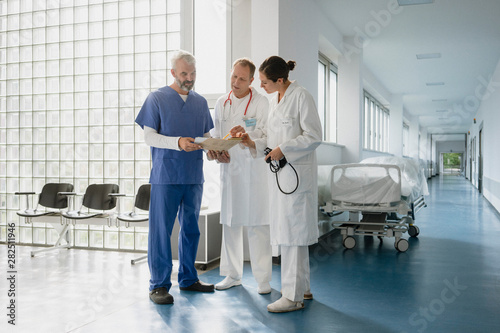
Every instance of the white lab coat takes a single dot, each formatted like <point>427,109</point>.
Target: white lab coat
<point>295,127</point>
<point>244,198</point>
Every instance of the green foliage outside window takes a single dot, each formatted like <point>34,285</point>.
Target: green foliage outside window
<point>452,160</point>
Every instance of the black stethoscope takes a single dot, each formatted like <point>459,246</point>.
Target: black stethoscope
<point>231,104</point>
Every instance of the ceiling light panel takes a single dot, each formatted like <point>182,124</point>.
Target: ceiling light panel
<point>414,2</point>
<point>435,84</point>
<point>424,56</point>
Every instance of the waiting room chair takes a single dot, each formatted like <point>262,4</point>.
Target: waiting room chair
<point>53,198</point>
<point>98,199</point>
<point>136,218</point>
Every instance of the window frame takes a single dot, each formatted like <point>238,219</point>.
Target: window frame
<point>376,122</point>
<point>329,112</point>
<point>406,139</point>
<point>75,130</point>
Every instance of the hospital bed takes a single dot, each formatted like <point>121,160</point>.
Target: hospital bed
<point>373,191</point>
<point>413,180</point>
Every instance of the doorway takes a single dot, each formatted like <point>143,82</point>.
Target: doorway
<point>470,160</point>
<point>480,163</point>
<point>452,163</point>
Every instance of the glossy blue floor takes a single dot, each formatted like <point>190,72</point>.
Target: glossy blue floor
<point>448,281</point>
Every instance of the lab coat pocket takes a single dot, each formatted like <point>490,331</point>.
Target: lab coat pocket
<point>292,175</point>
<point>286,122</point>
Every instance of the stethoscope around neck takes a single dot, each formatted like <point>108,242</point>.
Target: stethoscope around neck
<point>226,115</point>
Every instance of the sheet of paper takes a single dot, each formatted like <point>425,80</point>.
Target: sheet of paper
<point>217,144</point>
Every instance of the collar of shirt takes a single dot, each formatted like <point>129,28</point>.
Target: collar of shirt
<point>184,97</point>
<point>293,85</point>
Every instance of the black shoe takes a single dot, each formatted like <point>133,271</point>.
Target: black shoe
<point>199,286</point>
<point>161,296</point>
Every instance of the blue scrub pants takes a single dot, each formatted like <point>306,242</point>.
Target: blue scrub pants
<point>166,202</point>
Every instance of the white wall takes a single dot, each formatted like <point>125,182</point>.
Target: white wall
<point>240,35</point>
<point>434,158</point>
<point>488,117</point>
<point>264,38</point>
<point>450,147</point>
<point>349,105</point>
<point>300,42</point>
<point>413,123</point>
<point>329,153</point>
<point>423,153</point>
<point>276,29</point>
<point>396,126</point>
<point>372,153</point>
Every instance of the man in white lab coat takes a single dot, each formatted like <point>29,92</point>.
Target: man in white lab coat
<point>244,204</point>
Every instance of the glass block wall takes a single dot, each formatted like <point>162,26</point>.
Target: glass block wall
<point>73,75</point>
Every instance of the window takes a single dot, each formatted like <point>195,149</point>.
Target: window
<point>376,125</point>
<point>406,139</point>
<point>74,76</point>
<point>327,98</point>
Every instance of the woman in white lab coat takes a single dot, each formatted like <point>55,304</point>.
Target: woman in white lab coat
<point>293,132</point>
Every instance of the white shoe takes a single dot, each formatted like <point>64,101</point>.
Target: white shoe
<point>264,288</point>
<point>284,305</point>
<point>227,283</point>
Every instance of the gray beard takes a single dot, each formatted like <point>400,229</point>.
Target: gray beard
<point>181,85</point>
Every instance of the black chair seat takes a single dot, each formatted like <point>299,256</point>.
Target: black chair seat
<point>54,197</point>
<point>97,197</point>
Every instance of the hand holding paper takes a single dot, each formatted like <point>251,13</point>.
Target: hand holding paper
<point>217,144</point>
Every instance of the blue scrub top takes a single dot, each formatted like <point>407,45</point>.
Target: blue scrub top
<point>166,112</point>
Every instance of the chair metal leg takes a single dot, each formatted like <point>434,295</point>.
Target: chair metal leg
<point>57,245</point>
<point>136,260</point>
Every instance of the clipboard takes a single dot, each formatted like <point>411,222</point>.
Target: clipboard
<point>217,144</point>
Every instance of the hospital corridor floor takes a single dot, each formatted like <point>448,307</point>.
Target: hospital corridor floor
<point>447,281</point>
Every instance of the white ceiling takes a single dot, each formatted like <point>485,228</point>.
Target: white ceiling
<point>465,32</point>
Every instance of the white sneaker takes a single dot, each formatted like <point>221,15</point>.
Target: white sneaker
<point>284,305</point>
<point>264,288</point>
<point>227,283</point>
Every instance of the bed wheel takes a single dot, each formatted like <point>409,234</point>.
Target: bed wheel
<point>402,245</point>
<point>413,231</point>
<point>349,242</point>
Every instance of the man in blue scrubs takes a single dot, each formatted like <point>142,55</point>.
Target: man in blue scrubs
<point>172,117</point>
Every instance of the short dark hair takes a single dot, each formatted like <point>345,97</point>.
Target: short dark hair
<point>245,62</point>
<point>275,68</point>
